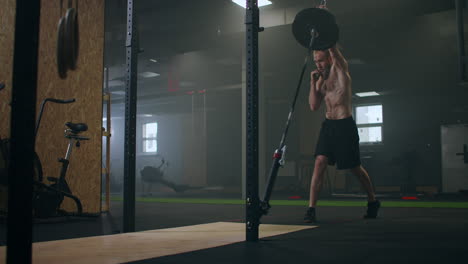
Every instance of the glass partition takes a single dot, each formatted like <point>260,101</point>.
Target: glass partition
<point>403,96</point>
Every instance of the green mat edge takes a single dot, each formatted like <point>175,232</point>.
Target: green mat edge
<point>417,204</point>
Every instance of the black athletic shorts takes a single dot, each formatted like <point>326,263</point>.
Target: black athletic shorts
<point>339,142</point>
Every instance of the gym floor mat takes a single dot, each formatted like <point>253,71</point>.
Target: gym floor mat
<point>136,246</point>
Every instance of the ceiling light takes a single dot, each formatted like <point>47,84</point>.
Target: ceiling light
<point>149,74</point>
<point>153,60</point>
<point>260,2</point>
<point>367,94</point>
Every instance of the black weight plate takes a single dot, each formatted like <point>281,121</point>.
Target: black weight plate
<point>323,22</point>
<point>71,38</point>
<point>61,62</point>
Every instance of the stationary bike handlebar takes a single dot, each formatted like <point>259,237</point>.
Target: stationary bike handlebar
<point>59,101</point>
<point>53,100</point>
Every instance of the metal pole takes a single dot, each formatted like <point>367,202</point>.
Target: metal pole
<point>108,140</point>
<point>23,106</point>
<point>461,40</point>
<point>130,120</point>
<point>252,199</point>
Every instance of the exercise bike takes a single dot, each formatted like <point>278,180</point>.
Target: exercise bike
<point>48,198</point>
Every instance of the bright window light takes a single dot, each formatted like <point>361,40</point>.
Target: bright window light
<point>371,114</point>
<point>369,121</point>
<point>260,2</point>
<point>367,94</point>
<point>370,134</point>
<point>150,134</point>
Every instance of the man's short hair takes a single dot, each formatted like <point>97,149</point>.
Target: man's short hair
<point>327,52</point>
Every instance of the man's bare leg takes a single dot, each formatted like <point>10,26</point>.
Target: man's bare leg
<point>321,163</point>
<point>373,204</point>
<point>365,181</point>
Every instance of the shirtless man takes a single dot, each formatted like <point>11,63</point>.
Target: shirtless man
<point>339,140</point>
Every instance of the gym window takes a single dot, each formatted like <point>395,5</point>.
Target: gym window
<point>369,120</point>
<point>150,142</point>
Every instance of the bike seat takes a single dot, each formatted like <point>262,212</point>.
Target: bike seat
<point>77,127</point>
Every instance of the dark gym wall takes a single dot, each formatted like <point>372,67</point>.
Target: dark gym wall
<point>418,71</point>
<point>83,84</point>
<point>224,123</point>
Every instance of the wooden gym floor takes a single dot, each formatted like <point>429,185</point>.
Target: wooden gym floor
<point>214,233</point>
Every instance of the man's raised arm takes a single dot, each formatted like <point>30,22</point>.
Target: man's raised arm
<point>337,58</point>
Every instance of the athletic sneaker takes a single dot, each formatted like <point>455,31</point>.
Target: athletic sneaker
<point>310,215</point>
<point>372,209</point>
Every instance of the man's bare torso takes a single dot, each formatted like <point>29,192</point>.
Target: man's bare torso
<point>337,94</point>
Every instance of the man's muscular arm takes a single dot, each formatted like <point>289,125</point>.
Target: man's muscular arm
<point>337,58</point>
<point>315,94</point>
